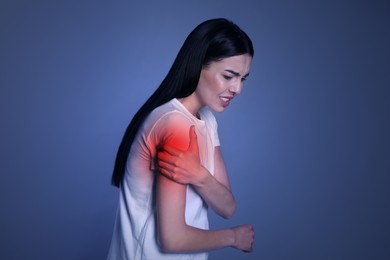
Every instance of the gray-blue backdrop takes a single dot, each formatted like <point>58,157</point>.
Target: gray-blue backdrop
<point>306,143</point>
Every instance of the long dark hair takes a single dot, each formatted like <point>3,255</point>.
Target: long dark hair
<point>210,41</point>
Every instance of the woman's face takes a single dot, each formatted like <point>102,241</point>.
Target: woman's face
<point>221,81</point>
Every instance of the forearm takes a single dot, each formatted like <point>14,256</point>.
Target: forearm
<point>190,239</point>
<point>174,234</point>
<point>217,195</point>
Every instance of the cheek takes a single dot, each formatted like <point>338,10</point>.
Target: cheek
<point>209,86</point>
<point>214,86</point>
<point>204,88</point>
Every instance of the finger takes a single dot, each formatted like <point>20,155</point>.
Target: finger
<point>170,149</point>
<point>165,166</point>
<point>248,250</point>
<point>166,157</point>
<point>166,170</point>
<point>167,174</point>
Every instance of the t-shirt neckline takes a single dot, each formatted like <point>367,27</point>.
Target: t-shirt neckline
<point>184,109</point>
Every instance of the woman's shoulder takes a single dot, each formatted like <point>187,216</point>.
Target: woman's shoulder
<point>168,112</point>
<point>167,124</point>
<point>166,116</point>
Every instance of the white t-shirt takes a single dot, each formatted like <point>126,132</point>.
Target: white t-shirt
<point>135,236</point>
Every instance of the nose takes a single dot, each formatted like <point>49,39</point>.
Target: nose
<point>236,87</point>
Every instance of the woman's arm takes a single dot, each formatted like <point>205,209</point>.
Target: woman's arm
<point>175,236</point>
<point>185,167</point>
<point>215,190</point>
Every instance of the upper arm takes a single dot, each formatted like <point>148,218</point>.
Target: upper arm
<point>171,198</point>
<point>220,172</point>
<point>170,195</point>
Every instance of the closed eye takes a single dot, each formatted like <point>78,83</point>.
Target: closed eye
<point>227,77</point>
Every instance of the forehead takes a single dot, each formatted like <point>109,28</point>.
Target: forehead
<point>239,63</point>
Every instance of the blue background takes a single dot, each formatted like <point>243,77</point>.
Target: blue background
<point>306,143</point>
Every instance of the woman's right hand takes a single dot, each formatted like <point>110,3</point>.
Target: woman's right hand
<point>244,236</point>
<point>182,166</point>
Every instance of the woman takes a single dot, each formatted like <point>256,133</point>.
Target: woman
<point>169,166</point>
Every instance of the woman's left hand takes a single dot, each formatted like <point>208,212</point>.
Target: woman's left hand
<point>182,166</point>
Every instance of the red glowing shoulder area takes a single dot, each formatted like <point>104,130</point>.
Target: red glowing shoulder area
<point>173,129</point>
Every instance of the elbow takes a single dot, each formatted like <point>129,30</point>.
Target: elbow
<point>167,247</point>
<point>229,212</point>
<point>168,243</point>
<point>228,215</point>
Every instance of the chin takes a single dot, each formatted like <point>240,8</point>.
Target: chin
<point>217,109</point>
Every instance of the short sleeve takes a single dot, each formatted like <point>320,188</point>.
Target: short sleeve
<point>171,129</point>
<point>216,136</point>
<point>211,121</point>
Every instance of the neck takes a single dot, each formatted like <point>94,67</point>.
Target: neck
<point>191,104</point>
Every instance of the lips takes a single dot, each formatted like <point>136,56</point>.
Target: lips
<point>226,100</point>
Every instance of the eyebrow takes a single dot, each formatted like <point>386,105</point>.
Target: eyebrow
<point>235,73</point>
